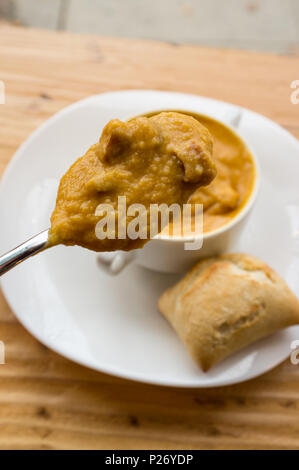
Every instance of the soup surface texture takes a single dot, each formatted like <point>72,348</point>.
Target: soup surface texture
<point>227,194</point>
<point>149,160</point>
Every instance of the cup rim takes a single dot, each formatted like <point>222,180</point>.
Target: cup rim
<point>248,204</point>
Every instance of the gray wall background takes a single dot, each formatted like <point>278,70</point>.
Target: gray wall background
<point>263,25</point>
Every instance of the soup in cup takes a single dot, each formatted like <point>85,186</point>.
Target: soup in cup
<point>225,203</point>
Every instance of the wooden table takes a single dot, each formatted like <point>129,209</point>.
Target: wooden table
<point>49,402</point>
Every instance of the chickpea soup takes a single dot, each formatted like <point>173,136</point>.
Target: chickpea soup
<point>229,191</point>
<point>147,160</point>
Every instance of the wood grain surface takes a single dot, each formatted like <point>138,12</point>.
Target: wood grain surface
<point>48,402</point>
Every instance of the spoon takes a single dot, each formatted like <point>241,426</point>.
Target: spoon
<point>38,243</point>
<point>29,248</point>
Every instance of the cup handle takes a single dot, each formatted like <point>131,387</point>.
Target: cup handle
<point>236,119</point>
<point>115,262</point>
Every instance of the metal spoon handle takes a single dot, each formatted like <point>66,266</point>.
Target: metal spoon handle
<point>20,253</point>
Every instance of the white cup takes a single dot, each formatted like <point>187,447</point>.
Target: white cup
<point>168,254</point>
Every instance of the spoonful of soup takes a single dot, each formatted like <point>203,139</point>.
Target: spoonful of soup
<point>161,159</point>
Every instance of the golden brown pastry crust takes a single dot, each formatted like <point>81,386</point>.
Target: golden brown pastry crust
<point>225,303</point>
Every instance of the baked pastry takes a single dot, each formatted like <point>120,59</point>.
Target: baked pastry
<point>225,303</point>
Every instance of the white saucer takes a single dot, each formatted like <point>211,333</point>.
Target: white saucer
<point>111,323</point>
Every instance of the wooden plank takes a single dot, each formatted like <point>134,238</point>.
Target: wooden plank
<point>48,402</point>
